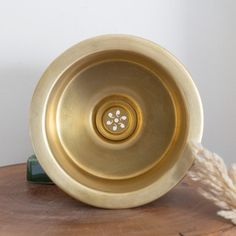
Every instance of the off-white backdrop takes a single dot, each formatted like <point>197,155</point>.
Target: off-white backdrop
<point>201,33</point>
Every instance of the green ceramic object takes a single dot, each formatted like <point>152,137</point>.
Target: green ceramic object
<point>35,172</point>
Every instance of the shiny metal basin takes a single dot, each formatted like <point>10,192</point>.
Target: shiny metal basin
<point>112,119</point>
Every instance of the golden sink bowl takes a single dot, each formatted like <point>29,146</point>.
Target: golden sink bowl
<point>112,119</point>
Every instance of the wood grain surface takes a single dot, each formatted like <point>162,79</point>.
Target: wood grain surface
<point>33,209</point>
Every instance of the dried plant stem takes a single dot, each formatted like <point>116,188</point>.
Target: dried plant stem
<point>217,183</point>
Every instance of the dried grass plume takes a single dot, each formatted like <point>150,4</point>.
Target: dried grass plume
<point>217,183</point>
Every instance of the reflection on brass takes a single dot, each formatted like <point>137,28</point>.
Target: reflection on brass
<point>111,121</point>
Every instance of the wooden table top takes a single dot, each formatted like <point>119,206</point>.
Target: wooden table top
<point>34,209</point>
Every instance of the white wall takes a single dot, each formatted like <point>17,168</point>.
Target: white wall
<point>201,33</point>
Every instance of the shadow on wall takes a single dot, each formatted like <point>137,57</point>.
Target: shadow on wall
<point>17,85</point>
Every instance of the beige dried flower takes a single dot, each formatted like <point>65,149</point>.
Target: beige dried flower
<point>216,182</point>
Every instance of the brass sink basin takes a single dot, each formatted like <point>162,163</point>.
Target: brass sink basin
<point>111,121</point>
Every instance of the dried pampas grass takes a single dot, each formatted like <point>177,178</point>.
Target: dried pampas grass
<point>217,183</point>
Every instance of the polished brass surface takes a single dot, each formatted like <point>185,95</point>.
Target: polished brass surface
<point>111,121</point>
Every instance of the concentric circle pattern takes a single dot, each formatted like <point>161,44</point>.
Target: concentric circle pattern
<point>111,121</point>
